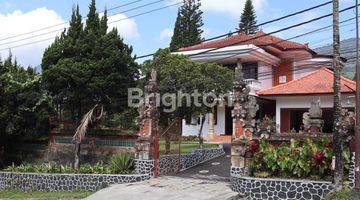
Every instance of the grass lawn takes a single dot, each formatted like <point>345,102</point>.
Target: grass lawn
<point>186,147</point>
<point>345,194</point>
<point>16,194</point>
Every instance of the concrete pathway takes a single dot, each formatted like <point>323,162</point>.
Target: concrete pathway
<point>168,188</point>
<point>207,181</point>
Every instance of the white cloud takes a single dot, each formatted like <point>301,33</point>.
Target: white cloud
<point>18,22</point>
<point>232,7</point>
<point>166,34</point>
<point>207,32</point>
<point>127,27</point>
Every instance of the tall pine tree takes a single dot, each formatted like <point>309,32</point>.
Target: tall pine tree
<point>248,19</point>
<point>87,65</point>
<point>187,30</point>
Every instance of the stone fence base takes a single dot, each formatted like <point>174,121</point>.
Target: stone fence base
<point>64,182</point>
<point>92,182</point>
<point>259,188</point>
<point>170,164</point>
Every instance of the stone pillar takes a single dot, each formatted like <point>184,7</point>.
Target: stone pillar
<point>244,111</point>
<point>147,144</point>
<point>316,121</point>
<point>211,131</point>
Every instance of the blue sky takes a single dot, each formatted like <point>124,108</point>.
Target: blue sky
<point>149,32</point>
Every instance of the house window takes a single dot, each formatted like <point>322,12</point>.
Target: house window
<point>282,79</point>
<point>250,69</point>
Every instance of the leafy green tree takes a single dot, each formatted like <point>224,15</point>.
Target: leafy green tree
<point>248,19</point>
<point>88,65</point>
<point>177,73</point>
<point>24,107</point>
<point>187,30</point>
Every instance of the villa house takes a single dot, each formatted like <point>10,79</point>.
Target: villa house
<point>285,77</point>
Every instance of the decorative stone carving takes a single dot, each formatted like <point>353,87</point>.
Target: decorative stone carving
<point>245,106</point>
<point>265,127</point>
<point>312,120</point>
<point>147,144</point>
<point>244,124</point>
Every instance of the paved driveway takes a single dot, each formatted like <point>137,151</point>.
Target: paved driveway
<point>207,181</point>
<point>215,169</point>
<point>168,188</point>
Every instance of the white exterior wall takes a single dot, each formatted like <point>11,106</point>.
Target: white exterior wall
<point>305,67</point>
<point>188,130</point>
<point>265,78</point>
<point>326,101</point>
<point>264,82</point>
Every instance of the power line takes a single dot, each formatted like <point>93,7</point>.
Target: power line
<point>261,24</point>
<point>125,18</point>
<point>273,32</point>
<point>65,23</point>
<point>57,30</point>
<point>288,39</point>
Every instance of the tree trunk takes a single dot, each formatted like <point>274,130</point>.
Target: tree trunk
<point>77,155</point>
<point>338,140</point>
<point>201,139</point>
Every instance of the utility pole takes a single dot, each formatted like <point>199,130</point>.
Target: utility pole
<point>338,146</point>
<point>357,128</point>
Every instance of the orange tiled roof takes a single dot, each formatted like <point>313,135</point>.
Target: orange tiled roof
<point>317,82</point>
<point>266,40</point>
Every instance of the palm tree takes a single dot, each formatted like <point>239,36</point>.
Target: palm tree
<point>81,131</point>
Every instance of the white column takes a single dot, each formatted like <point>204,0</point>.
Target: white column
<point>278,116</point>
<point>211,130</point>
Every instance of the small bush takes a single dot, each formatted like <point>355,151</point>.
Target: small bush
<point>345,194</point>
<point>309,160</point>
<point>119,164</point>
<point>122,163</point>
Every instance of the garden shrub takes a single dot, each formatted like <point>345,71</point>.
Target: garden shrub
<point>119,164</point>
<point>122,163</point>
<point>309,160</point>
<point>344,194</point>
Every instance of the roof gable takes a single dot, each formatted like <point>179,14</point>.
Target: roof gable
<point>259,39</point>
<point>317,82</point>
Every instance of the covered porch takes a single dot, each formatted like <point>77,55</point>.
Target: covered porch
<point>294,98</point>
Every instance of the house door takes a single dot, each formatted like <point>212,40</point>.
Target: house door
<point>228,121</point>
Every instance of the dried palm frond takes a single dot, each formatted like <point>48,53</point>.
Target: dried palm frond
<point>85,122</point>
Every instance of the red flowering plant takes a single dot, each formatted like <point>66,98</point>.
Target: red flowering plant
<point>253,147</point>
<point>310,159</point>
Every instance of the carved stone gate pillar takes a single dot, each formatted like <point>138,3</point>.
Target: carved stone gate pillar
<point>147,144</point>
<point>245,108</point>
